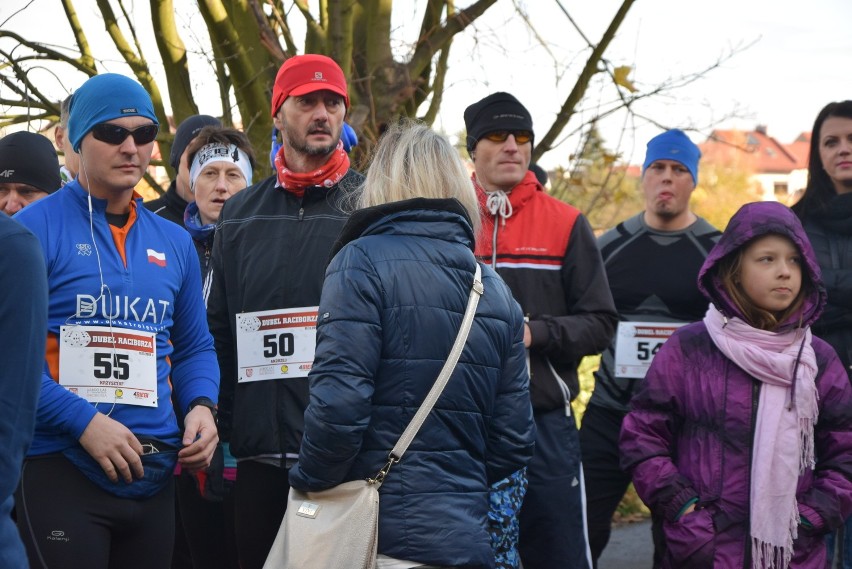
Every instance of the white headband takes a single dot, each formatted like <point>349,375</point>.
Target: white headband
<point>218,152</point>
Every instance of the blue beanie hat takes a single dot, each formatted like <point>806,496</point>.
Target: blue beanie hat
<point>104,98</point>
<point>673,145</point>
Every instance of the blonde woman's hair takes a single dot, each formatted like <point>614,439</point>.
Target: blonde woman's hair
<point>413,161</point>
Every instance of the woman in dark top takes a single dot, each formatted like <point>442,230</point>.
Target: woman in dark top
<point>826,212</point>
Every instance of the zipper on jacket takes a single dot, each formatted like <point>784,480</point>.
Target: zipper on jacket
<point>494,245</point>
<point>206,257</point>
<point>301,213</point>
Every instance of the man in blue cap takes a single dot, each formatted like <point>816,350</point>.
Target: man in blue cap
<point>127,343</point>
<point>652,262</point>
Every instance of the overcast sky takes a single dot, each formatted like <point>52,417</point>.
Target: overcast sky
<point>800,58</point>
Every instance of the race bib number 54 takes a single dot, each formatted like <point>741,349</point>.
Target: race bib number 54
<point>636,345</point>
<point>276,344</point>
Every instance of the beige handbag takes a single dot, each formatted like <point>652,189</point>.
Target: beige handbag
<point>338,528</point>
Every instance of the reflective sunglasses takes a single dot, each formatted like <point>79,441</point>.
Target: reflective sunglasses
<point>115,135</point>
<point>521,136</point>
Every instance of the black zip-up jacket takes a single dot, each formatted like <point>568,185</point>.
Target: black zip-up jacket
<point>270,251</point>
<point>170,205</point>
<point>830,232</point>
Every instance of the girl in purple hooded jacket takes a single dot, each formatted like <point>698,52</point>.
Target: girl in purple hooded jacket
<point>740,437</point>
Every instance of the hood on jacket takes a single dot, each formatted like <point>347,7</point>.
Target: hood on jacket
<point>362,221</point>
<point>755,220</point>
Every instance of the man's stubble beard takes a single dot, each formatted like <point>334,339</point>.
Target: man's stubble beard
<point>309,150</point>
<point>665,212</point>
<point>302,147</point>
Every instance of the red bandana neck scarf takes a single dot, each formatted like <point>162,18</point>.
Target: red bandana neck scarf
<point>326,176</point>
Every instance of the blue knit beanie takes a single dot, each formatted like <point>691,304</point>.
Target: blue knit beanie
<point>104,98</point>
<point>673,145</point>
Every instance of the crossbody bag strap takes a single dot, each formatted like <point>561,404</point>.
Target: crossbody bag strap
<point>410,432</point>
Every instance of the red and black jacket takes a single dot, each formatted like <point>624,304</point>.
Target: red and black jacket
<point>546,252</point>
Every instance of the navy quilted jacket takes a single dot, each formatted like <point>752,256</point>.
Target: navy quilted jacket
<point>690,431</point>
<point>391,307</point>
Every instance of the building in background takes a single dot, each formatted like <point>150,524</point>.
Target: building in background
<point>781,170</point>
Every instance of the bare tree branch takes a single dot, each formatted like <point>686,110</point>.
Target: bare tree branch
<point>267,35</point>
<point>173,53</point>
<point>281,22</point>
<point>316,33</point>
<point>131,26</point>
<point>224,88</point>
<point>16,12</point>
<point>50,53</point>
<point>339,36</point>
<point>582,84</point>
<point>250,67</point>
<point>135,61</point>
<point>438,86</point>
<point>30,95</point>
<point>422,84</point>
<point>86,57</point>
<point>428,46</point>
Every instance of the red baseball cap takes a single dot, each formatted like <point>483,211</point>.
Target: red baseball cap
<point>303,74</point>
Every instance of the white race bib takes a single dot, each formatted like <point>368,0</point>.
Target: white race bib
<point>276,344</point>
<point>109,365</point>
<point>637,343</point>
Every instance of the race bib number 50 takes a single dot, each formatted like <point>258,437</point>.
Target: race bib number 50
<point>637,343</point>
<point>109,365</point>
<point>276,344</point>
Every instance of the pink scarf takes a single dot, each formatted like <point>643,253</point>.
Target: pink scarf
<point>784,430</point>
<point>325,176</point>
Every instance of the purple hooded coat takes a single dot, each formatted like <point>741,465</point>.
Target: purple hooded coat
<point>689,433</point>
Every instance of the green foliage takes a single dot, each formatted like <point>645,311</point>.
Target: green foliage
<point>631,507</point>
<point>598,184</point>
<point>588,366</point>
<point>722,189</point>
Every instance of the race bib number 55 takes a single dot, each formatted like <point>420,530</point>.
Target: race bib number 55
<point>109,365</point>
<point>276,344</point>
<point>636,345</point>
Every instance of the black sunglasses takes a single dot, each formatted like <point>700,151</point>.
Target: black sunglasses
<point>521,136</point>
<point>114,134</point>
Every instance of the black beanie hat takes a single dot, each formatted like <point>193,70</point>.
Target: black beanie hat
<point>498,111</point>
<point>29,158</point>
<point>186,131</point>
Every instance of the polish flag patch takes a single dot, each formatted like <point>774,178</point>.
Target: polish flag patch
<point>156,258</point>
